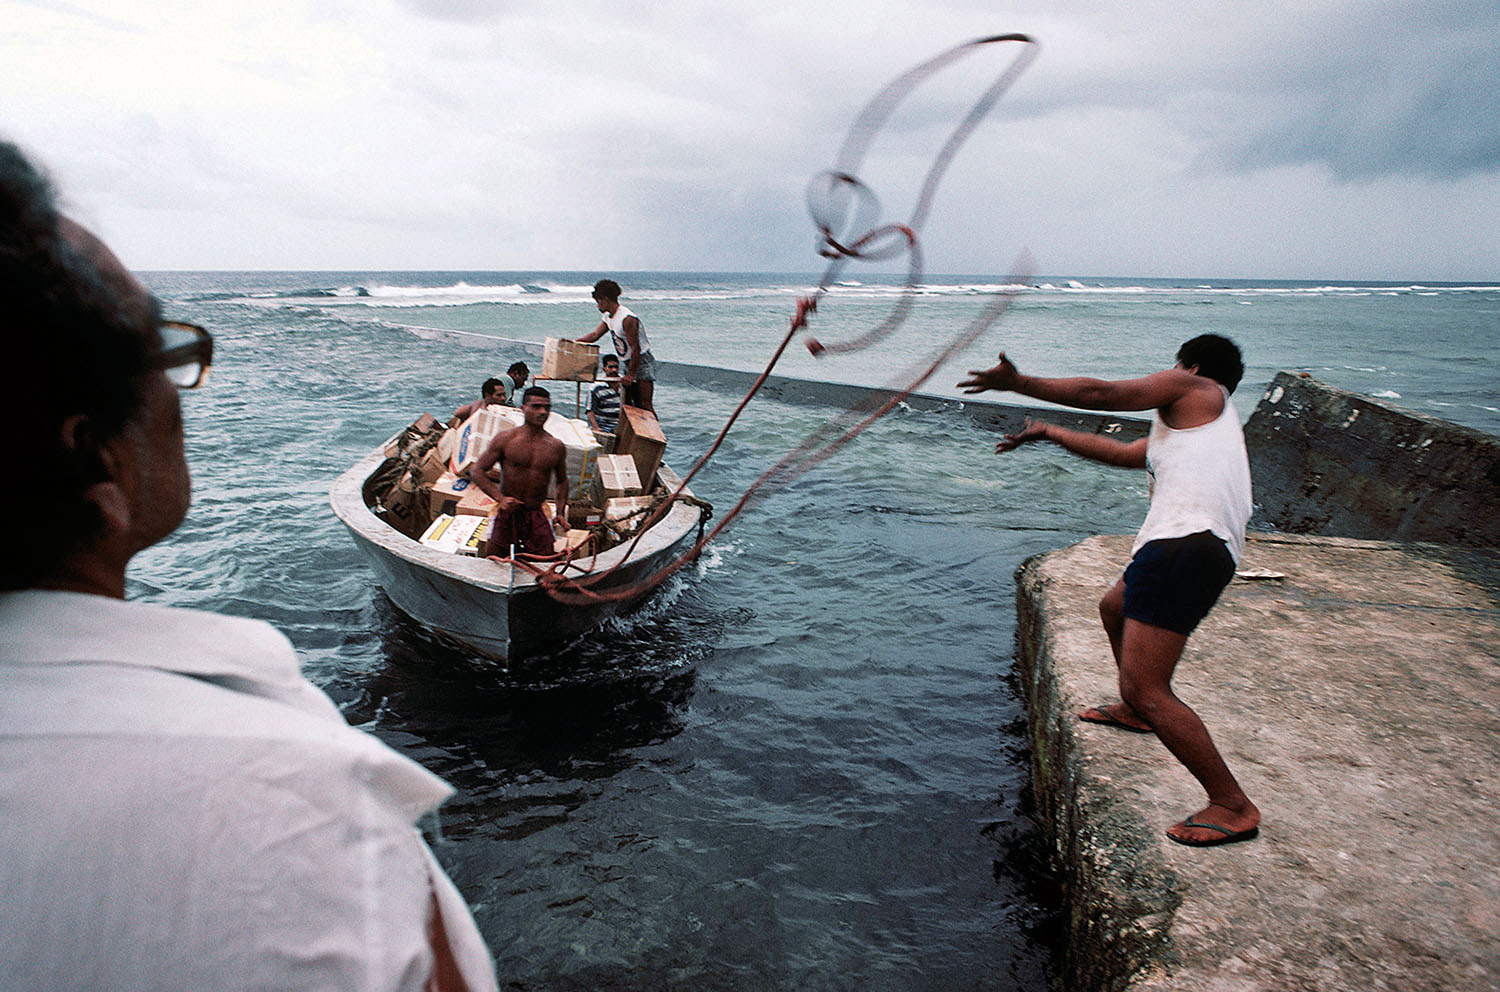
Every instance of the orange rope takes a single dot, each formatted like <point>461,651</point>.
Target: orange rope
<point>876,243</point>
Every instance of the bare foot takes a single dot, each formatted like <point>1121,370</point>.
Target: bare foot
<point>1116,715</point>
<point>1216,824</point>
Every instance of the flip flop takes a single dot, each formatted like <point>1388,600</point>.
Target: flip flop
<point>1230,836</point>
<point>1105,718</point>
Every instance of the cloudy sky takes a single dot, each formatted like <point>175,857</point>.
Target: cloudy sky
<point>1316,139</point>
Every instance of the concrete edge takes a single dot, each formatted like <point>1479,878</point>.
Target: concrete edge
<point>1120,896</point>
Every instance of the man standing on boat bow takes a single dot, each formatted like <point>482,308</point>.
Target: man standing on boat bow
<point>638,383</point>
<point>529,458</point>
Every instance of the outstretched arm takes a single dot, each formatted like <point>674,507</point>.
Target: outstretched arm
<point>595,334</point>
<point>1094,447</point>
<point>1153,392</point>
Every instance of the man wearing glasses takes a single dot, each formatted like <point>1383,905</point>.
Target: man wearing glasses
<point>179,807</point>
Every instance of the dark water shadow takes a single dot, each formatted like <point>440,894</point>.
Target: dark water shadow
<point>1024,863</point>
<point>577,715</point>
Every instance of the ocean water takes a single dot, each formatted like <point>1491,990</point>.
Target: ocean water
<point>803,763</point>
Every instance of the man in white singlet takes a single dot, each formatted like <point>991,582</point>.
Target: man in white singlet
<point>638,383</point>
<point>1184,555</point>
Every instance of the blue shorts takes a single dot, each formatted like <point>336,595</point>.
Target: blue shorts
<point>1172,583</point>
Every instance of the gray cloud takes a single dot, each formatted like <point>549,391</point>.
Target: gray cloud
<point>458,11</point>
<point>1229,138</point>
<point>1377,96</point>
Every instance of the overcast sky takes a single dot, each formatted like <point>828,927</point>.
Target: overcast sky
<point>1316,139</point>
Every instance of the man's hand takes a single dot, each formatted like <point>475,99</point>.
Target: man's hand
<point>1033,430</point>
<point>507,504</point>
<point>1001,377</point>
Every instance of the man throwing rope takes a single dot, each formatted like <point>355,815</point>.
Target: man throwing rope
<point>1184,555</point>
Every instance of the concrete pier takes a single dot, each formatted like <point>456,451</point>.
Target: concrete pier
<point>1328,461</point>
<point>1357,699</point>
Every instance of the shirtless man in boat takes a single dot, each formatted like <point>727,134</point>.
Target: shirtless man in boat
<point>1184,556</point>
<point>528,458</point>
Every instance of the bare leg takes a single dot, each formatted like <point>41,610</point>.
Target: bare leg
<point>644,393</point>
<point>1148,656</point>
<point>1112,615</point>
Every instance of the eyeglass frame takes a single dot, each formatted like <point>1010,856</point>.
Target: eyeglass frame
<point>199,351</point>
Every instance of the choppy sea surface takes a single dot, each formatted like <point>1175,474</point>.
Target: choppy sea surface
<point>803,763</point>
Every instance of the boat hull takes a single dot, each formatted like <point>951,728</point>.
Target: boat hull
<point>492,607</point>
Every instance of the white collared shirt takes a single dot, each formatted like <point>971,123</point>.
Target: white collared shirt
<point>181,809</point>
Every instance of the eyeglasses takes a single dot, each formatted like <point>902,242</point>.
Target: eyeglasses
<point>187,351</point>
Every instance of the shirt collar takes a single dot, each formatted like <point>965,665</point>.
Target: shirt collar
<point>49,627</point>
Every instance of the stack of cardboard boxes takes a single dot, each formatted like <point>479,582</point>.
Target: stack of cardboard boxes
<point>427,496</point>
<point>628,476</point>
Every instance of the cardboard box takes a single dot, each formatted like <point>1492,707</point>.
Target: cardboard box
<point>416,431</point>
<point>472,532</point>
<point>447,443</point>
<point>475,542</point>
<point>617,476</point>
<point>404,507</point>
<point>583,455</point>
<point>569,360</point>
<point>616,510</point>
<point>446,492</point>
<point>584,515</point>
<point>571,541</point>
<point>455,535</point>
<point>475,503</point>
<point>430,467</point>
<point>441,534</point>
<point>474,434</point>
<point>639,436</point>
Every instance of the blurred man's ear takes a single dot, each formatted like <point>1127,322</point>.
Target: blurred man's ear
<point>81,444</point>
<point>96,465</point>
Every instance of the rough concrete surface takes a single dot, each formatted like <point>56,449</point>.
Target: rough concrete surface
<point>1358,702</point>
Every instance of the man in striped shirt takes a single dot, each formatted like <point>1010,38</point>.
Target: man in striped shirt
<point>604,398</point>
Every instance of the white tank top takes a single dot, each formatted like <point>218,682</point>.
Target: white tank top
<point>616,324</point>
<point>1200,480</point>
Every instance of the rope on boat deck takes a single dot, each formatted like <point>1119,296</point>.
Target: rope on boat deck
<point>843,209</point>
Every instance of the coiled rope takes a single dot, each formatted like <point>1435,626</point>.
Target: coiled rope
<point>844,211</point>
